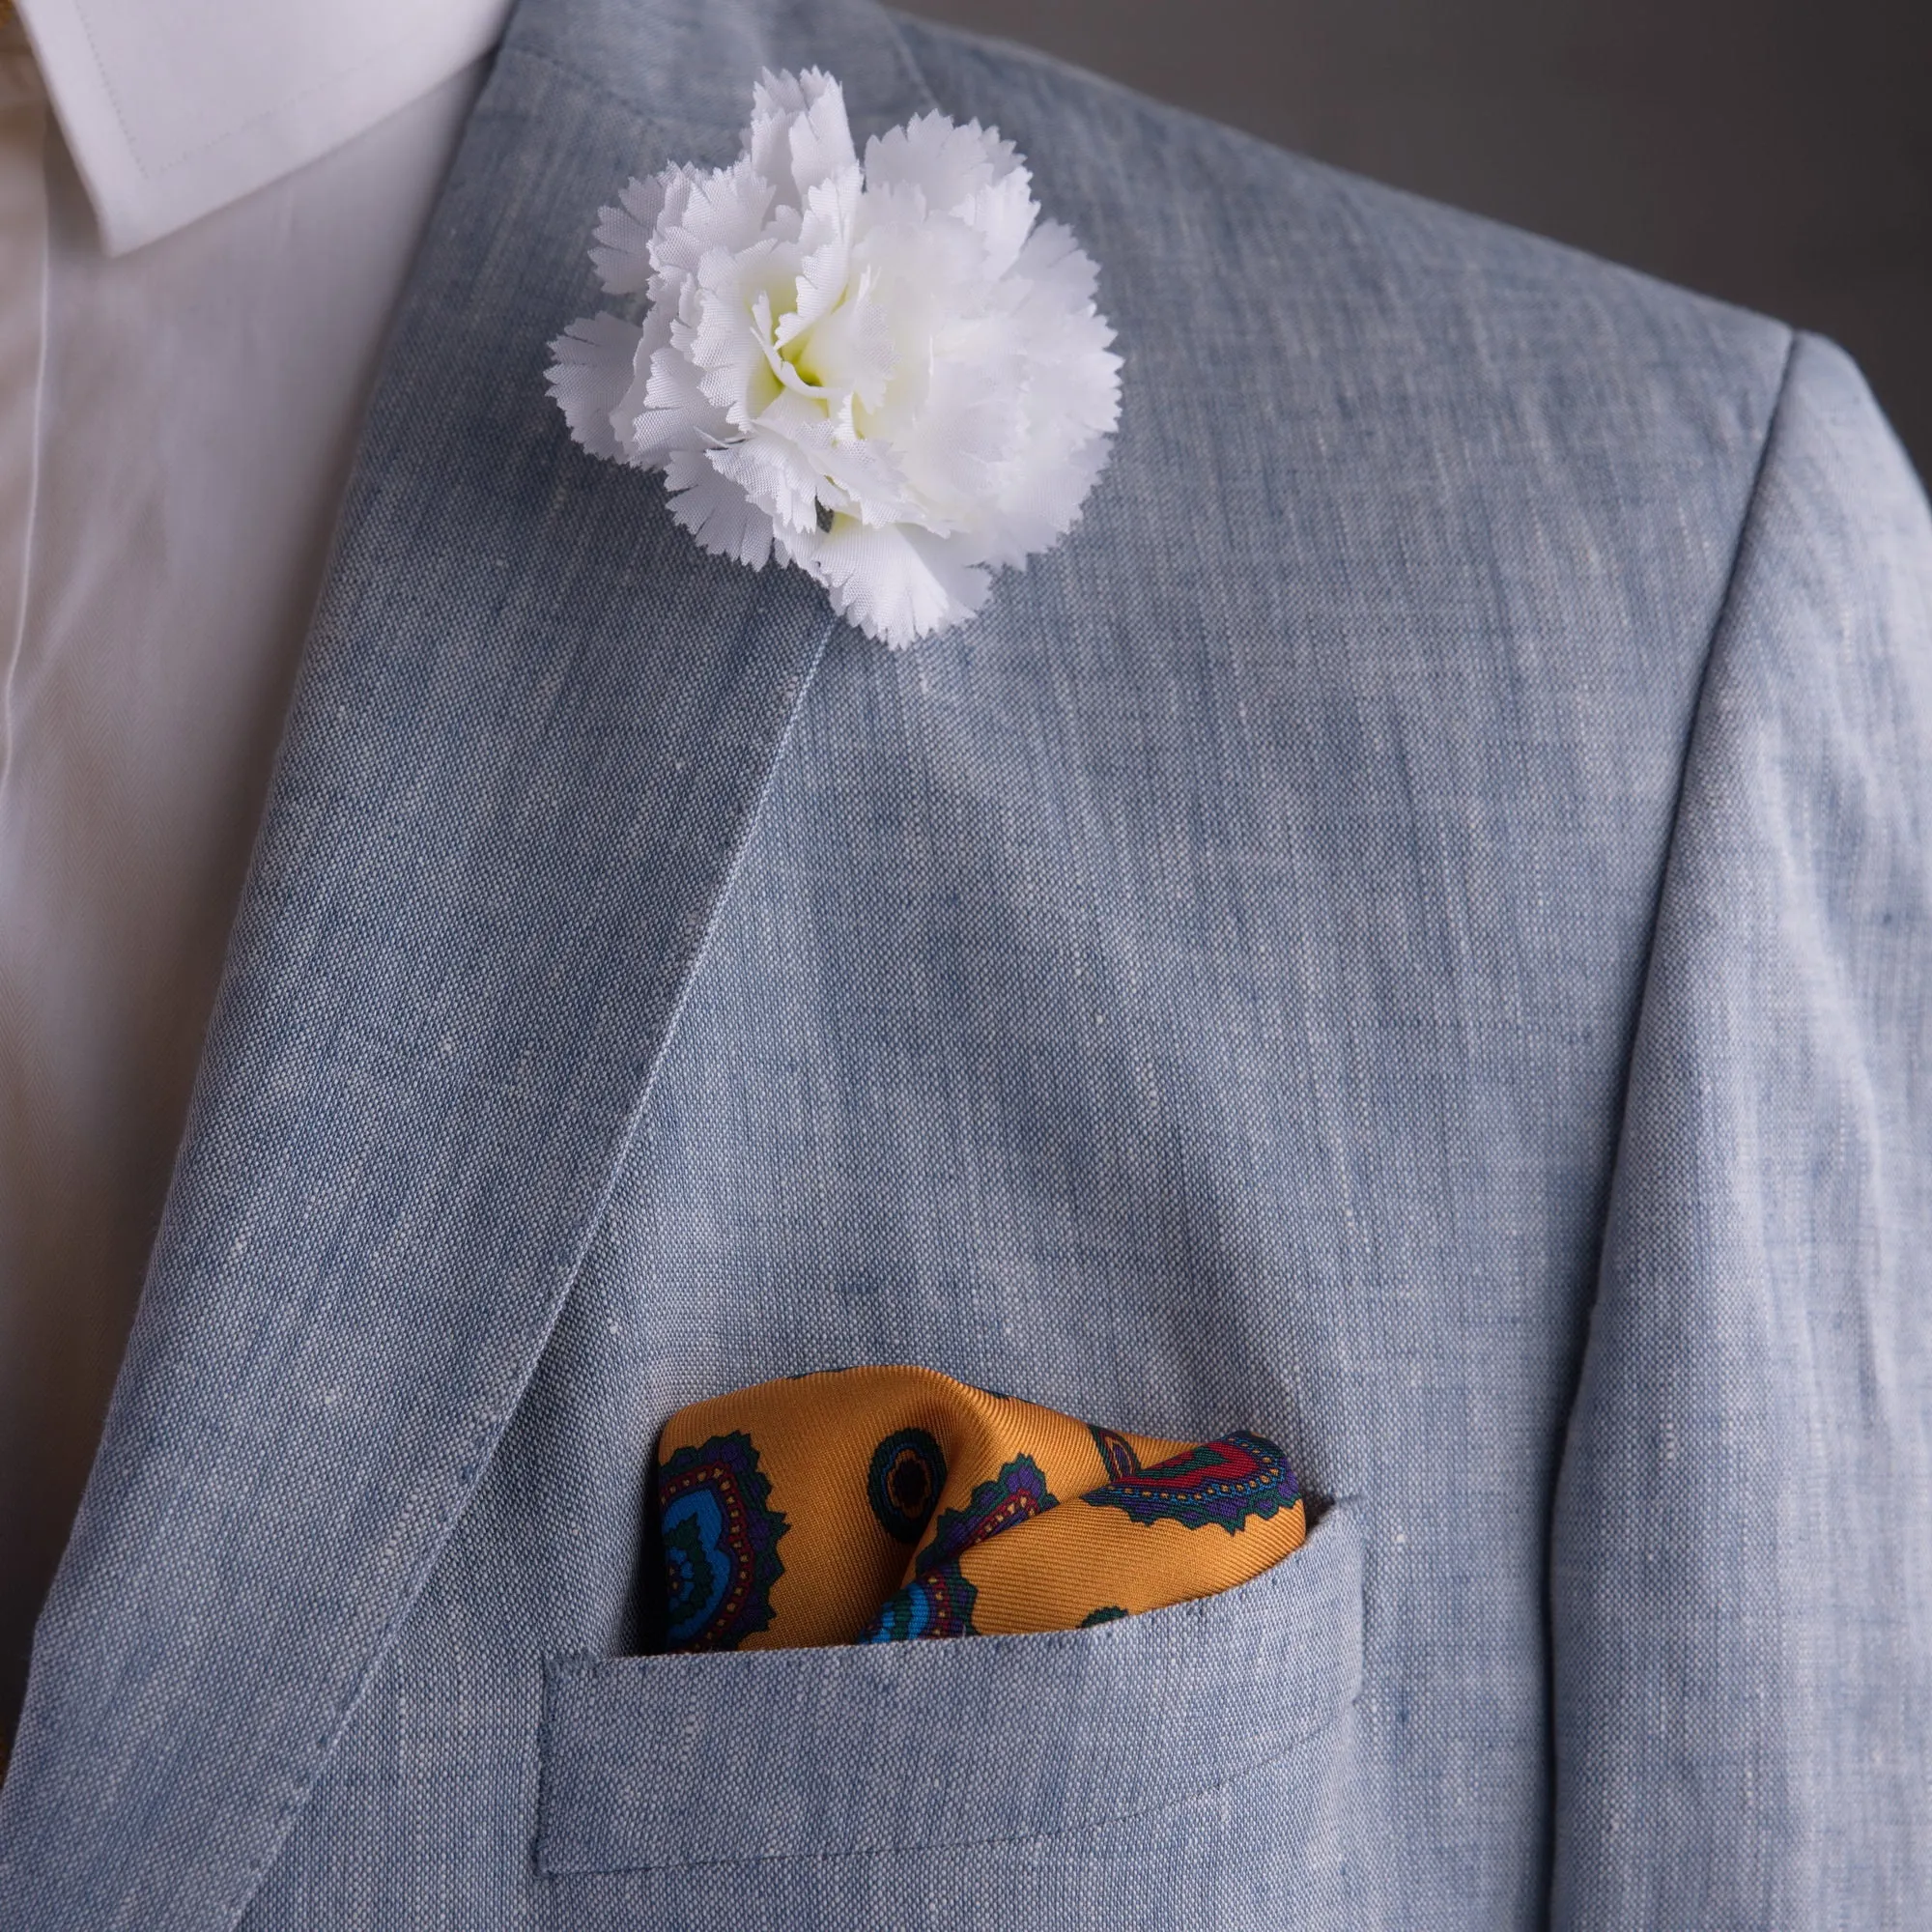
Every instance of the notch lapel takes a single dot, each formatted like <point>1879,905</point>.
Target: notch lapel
<point>531,731</point>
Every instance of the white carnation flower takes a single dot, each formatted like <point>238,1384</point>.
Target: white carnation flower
<point>892,375</point>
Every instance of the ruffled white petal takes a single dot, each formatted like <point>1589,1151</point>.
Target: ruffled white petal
<point>624,250</point>
<point>892,375</point>
<point>898,582</point>
<point>780,103</point>
<point>776,476</point>
<point>716,510</point>
<point>820,141</point>
<point>592,369</point>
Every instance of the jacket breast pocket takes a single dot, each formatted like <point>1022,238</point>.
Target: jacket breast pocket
<point>1185,1767</point>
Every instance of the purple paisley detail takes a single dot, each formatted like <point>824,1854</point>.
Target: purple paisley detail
<point>1117,1452</point>
<point>1016,1494</point>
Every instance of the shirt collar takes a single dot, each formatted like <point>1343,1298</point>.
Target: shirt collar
<point>173,108</point>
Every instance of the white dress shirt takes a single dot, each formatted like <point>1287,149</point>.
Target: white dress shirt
<point>206,212</point>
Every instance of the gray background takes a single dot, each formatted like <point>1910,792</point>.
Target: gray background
<point>1776,153</point>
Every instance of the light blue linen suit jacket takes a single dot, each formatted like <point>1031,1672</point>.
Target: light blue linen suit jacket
<point>1409,933</point>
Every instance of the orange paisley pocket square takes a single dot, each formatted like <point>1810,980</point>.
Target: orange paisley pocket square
<point>872,1504</point>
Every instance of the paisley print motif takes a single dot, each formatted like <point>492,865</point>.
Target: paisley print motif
<point>938,1603</point>
<point>903,1484</point>
<point>721,1538</point>
<point>1018,1491</point>
<point>1117,1452</point>
<point>883,1504</point>
<point>1226,1482</point>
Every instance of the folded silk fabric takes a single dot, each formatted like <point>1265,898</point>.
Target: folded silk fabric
<point>872,1504</point>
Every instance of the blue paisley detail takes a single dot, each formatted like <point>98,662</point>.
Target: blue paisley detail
<point>937,1604</point>
<point>1226,1482</point>
<point>721,1537</point>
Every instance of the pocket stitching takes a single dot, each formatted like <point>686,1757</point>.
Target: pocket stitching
<point>587,1667</point>
<point>1083,1828</point>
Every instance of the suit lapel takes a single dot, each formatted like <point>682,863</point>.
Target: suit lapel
<point>531,731</point>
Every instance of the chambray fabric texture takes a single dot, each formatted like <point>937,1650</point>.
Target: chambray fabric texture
<point>1408,932</point>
